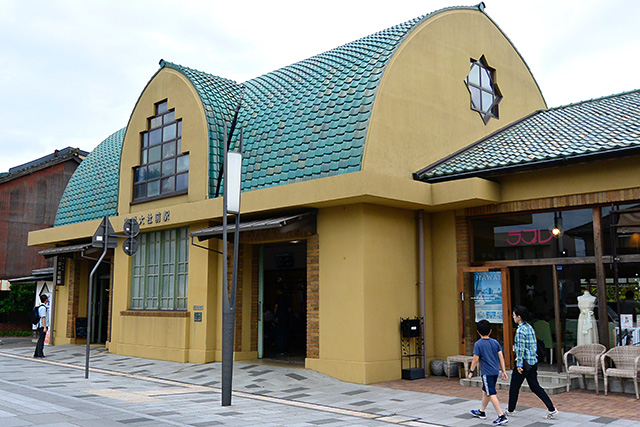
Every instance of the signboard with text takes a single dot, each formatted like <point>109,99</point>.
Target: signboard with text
<point>487,289</point>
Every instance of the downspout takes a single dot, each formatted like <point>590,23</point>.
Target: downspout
<point>421,286</point>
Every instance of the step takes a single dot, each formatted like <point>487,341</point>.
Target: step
<point>551,383</point>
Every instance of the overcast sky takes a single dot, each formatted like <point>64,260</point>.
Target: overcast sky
<point>71,71</point>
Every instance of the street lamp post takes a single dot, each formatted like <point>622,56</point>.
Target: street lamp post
<point>232,176</point>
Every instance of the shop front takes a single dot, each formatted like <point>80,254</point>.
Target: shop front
<point>557,263</point>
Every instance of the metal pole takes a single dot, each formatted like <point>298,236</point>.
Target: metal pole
<point>95,268</point>
<point>421,286</point>
<point>228,307</point>
<point>614,257</point>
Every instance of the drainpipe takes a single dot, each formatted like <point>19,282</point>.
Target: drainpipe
<point>421,285</point>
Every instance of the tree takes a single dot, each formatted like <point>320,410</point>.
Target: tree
<point>20,299</point>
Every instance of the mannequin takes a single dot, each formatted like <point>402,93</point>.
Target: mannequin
<point>587,326</point>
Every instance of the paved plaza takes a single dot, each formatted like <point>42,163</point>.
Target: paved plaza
<point>142,392</point>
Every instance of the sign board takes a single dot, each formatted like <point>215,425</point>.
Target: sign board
<point>487,289</point>
<point>59,270</point>
<point>98,236</point>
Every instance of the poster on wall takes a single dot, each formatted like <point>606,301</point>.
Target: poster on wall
<point>487,289</point>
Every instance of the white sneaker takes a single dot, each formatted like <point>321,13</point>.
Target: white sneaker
<point>511,413</point>
<point>551,414</point>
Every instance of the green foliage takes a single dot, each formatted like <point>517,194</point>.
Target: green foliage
<point>20,299</point>
<point>16,333</point>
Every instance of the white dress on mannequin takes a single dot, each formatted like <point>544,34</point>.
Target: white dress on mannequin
<point>587,325</point>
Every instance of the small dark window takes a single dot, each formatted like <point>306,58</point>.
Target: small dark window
<point>485,95</point>
<point>164,169</point>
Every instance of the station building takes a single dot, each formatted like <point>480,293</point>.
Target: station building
<point>379,177</point>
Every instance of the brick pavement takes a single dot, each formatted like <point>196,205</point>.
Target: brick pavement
<point>133,391</point>
<point>615,405</point>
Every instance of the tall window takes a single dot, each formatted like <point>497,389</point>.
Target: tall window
<point>485,95</point>
<point>160,271</point>
<point>163,170</point>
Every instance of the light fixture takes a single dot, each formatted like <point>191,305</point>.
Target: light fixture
<point>556,232</point>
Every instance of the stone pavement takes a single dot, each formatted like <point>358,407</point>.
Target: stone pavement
<point>142,392</point>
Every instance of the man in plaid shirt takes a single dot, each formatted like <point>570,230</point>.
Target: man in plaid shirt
<point>525,347</point>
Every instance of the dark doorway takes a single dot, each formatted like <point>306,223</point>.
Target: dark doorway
<point>100,306</point>
<point>284,301</point>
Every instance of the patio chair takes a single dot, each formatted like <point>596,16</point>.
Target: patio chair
<point>543,332</point>
<point>588,362</point>
<point>626,360</point>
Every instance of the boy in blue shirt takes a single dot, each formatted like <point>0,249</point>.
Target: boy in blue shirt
<point>488,352</point>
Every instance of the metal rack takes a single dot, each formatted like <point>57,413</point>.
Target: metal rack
<point>411,348</point>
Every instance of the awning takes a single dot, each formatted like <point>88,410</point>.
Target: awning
<point>284,223</point>
<point>628,221</point>
<point>43,274</point>
<point>64,250</point>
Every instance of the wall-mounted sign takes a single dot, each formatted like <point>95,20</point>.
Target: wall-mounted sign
<point>198,307</point>
<point>60,263</point>
<point>197,317</point>
<point>153,218</point>
<point>528,237</point>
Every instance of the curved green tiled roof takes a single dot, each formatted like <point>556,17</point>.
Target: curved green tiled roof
<point>309,120</point>
<point>305,121</point>
<point>605,126</point>
<point>92,191</point>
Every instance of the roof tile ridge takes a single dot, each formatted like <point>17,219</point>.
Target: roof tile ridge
<point>411,25</point>
<point>587,101</point>
<point>163,63</point>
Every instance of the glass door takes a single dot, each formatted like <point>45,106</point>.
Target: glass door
<point>485,293</point>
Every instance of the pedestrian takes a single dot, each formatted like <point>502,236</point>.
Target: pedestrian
<point>525,348</point>
<point>488,352</point>
<point>43,325</point>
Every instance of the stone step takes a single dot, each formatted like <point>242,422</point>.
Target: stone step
<point>552,383</point>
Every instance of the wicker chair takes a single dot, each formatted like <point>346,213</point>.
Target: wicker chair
<point>588,358</point>
<point>627,363</point>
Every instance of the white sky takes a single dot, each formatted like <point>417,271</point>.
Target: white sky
<point>71,71</point>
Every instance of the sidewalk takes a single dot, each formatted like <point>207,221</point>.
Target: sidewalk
<point>142,392</point>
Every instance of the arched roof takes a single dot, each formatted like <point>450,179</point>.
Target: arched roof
<point>92,191</point>
<point>304,121</point>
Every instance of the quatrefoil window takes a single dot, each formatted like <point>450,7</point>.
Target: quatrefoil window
<point>485,95</point>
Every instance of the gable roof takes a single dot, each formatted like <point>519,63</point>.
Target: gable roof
<point>603,127</point>
<point>92,191</point>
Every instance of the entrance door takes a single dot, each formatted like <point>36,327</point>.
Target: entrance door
<point>488,297</point>
<point>282,295</point>
<point>100,310</point>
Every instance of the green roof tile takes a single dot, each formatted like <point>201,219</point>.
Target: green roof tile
<point>92,191</point>
<point>574,132</point>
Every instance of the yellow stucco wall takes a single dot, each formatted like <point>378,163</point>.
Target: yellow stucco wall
<point>608,175</point>
<point>422,110</point>
<point>444,305</point>
<point>368,269</point>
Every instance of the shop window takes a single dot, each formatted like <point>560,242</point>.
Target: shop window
<point>159,274</point>
<point>164,169</point>
<point>626,227</point>
<point>485,95</point>
<point>533,235</point>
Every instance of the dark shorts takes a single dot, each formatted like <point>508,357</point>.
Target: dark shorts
<point>489,384</point>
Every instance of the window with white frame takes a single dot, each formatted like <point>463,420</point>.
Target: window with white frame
<point>160,270</point>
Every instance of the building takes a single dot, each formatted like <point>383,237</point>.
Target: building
<point>29,198</point>
<point>380,180</point>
